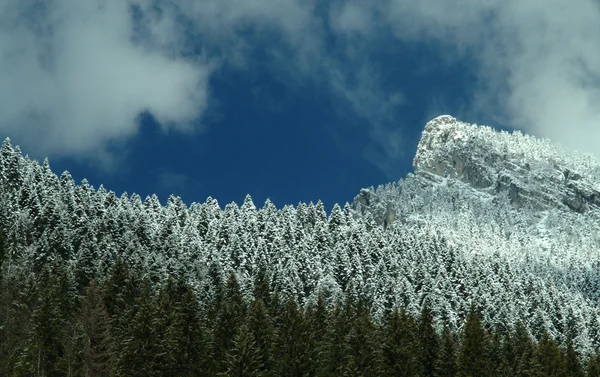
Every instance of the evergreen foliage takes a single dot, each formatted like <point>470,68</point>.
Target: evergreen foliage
<point>165,332</point>
<point>93,284</point>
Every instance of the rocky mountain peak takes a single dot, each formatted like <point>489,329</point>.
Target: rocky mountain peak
<point>533,171</point>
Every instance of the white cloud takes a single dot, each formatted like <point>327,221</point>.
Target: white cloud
<point>76,74</point>
<point>351,17</point>
<point>537,59</point>
<point>74,80</point>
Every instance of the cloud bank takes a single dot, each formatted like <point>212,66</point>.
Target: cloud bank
<point>537,59</point>
<point>76,74</point>
<point>74,79</point>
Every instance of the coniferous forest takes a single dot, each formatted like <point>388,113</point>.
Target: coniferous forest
<point>92,284</point>
<point>50,327</point>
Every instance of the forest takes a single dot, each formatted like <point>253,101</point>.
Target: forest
<point>52,327</point>
<point>95,284</point>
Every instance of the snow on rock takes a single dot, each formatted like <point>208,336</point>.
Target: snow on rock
<point>533,171</point>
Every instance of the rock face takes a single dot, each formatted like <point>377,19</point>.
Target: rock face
<point>533,171</point>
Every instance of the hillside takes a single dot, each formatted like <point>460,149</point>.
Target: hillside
<point>502,221</point>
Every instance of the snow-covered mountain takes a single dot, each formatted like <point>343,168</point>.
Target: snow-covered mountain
<point>510,200</point>
<point>532,172</point>
<point>502,221</point>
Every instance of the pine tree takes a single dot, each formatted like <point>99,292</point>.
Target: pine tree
<point>193,349</point>
<point>361,357</point>
<point>446,364</point>
<point>593,366</point>
<point>95,356</point>
<point>290,346</point>
<point>262,289</point>
<point>399,345</point>
<point>213,287</point>
<point>333,357</point>
<point>317,320</point>
<point>428,342</point>
<point>572,361</point>
<point>137,348</point>
<point>50,348</point>
<point>473,358</point>
<point>548,360</point>
<point>519,351</point>
<point>181,344</point>
<point>120,289</point>
<point>17,296</point>
<point>497,365</point>
<point>231,315</point>
<point>244,359</point>
<point>261,327</point>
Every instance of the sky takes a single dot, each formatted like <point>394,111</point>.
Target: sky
<point>292,100</point>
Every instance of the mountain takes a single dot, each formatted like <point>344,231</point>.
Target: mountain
<point>535,173</point>
<point>531,171</point>
<point>499,220</point>
<point>511,201</point>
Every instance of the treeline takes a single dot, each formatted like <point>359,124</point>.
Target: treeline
<point>49,326</point>
<point>446,244</point>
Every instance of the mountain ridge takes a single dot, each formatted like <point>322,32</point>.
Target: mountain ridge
<point>529,169</point>
<point>453,242</point>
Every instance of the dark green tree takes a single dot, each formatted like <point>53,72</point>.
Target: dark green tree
<point>50,347</point>
<point>231,314</point>
<point>473,355</point>
<point>93,340</point>
<point>593,366</point>
<point>244,359</point>
<point>548,360</point>
<point>290,346</point>
<point>193,350</point>
<point>17,297</point>
<point>518,351</point>
<point>137,348</point>
<point>446,365</point>
<point>260,325</point>
<point>428,344</point>
<point>572,361</point>
<point>361,356</point>
<point>121,288</point>
<point>333,355</point>
<point>181,346</point>
<point>399,346</point>
<point>317,320</point>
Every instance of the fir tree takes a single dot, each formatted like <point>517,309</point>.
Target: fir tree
<point>137,348</point>
<point>193,348</point>
<point>399,345</point>
<point>290,351</point>
<point>572,361</point>
<point>260,325</point>
<point>428,341</point>
<point>446,365</point>
<point>244,359</point>
<point>473,357</point>
<point>317,320</point>
<point>333,357</point>
<point>519,351</point>
<point>17,298</point>
<point>181,344</point>
<point>593,366</point>
<point>361,357</point>
<point>231,315</point>
<point>548,360</point>
<point>95,356</point>
<point>50,351</point>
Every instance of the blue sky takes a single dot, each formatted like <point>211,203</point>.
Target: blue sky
<point>295,100</point>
